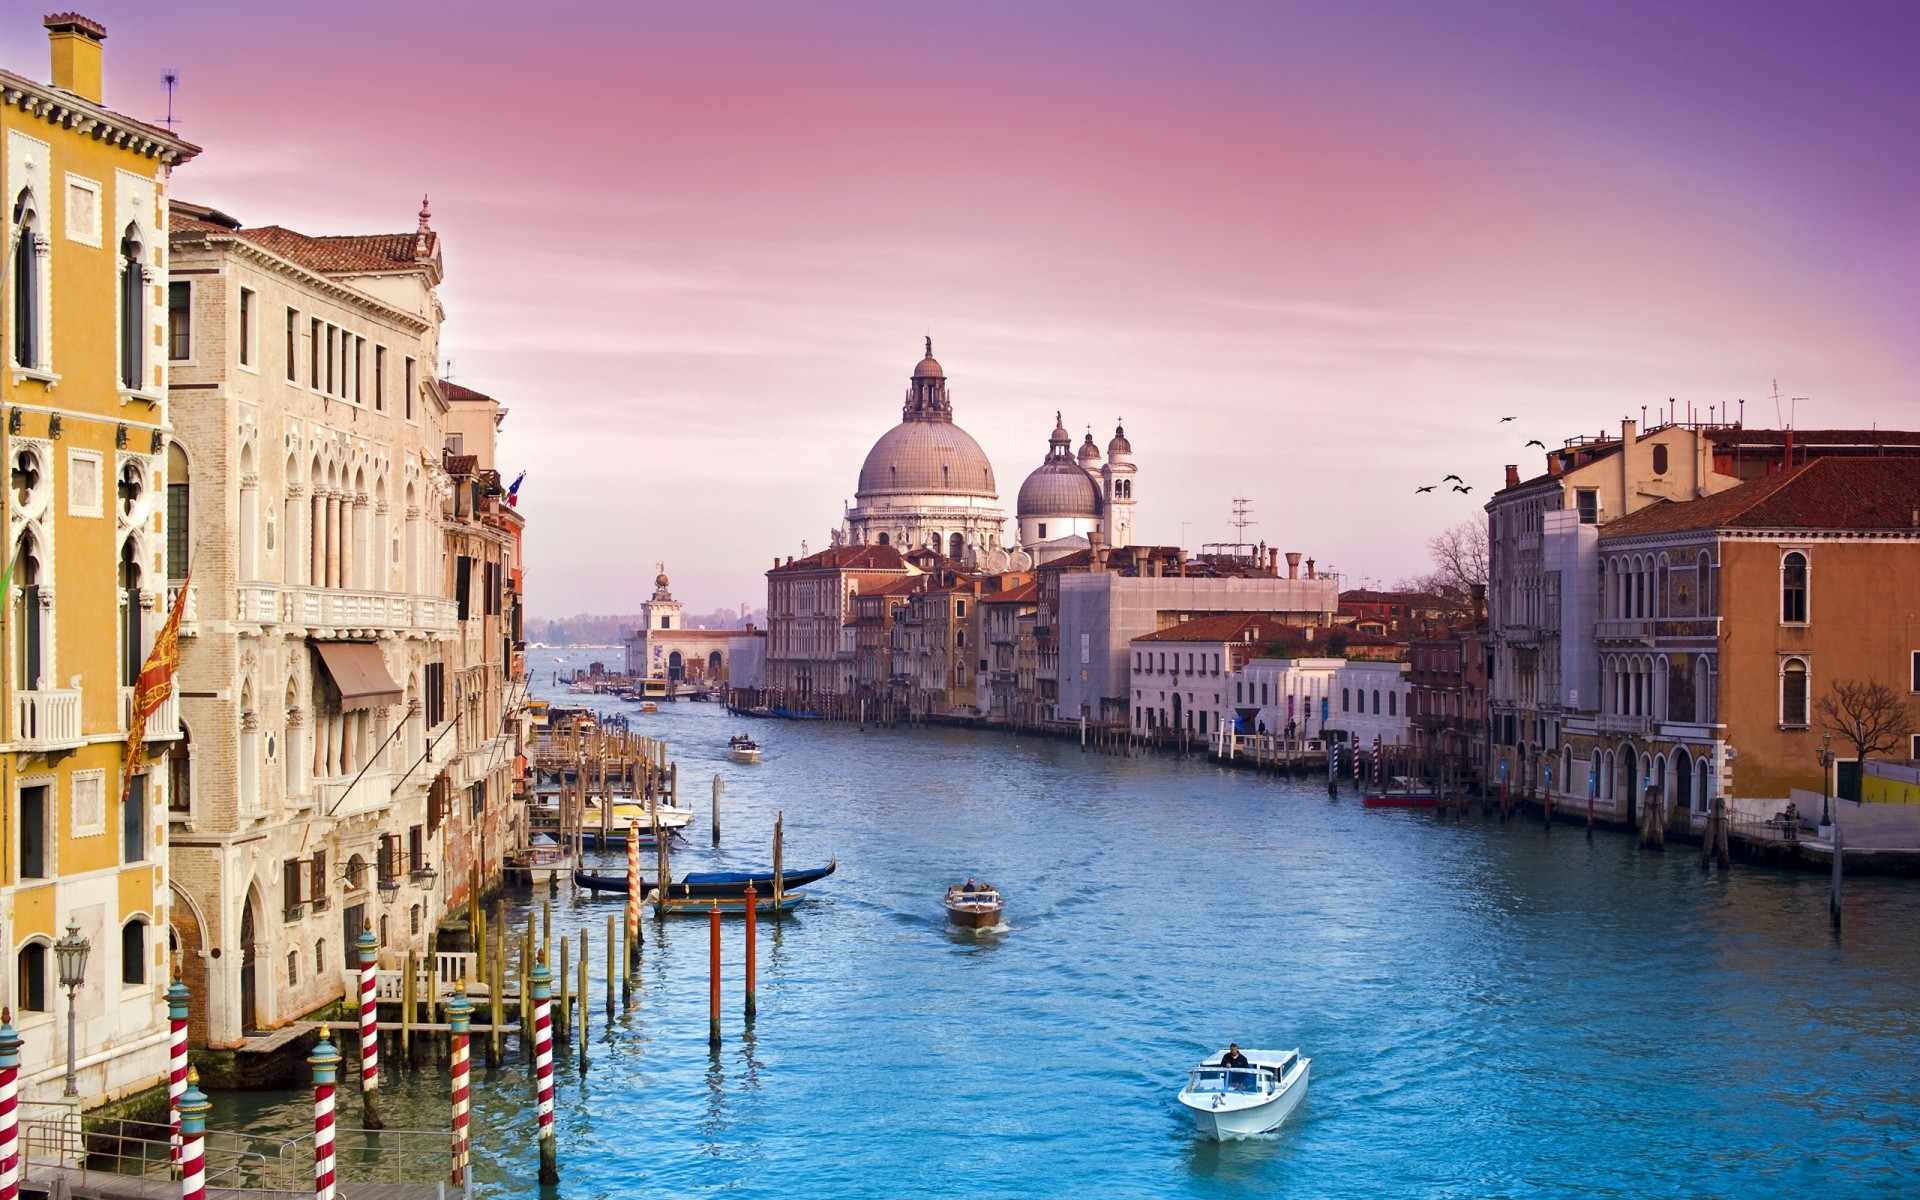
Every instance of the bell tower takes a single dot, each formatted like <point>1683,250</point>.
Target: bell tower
<point>662,611</point>
<point>1116,479</point>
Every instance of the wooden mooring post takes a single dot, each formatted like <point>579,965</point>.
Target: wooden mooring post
<point>716,809</point>
<point>1833,906</point>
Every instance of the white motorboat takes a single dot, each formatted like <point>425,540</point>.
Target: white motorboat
<point>743,749</point>
<point>1237,1102</point>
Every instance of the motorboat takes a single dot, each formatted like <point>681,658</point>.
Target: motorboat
<point>706,883</point>
<point>1236,1102</point>
<point>743,749</point>
<point>973,905</point>
<point>542,861</point>
<point>649,707</point>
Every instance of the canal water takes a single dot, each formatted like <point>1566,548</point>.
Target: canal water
<point>1491,1009</point>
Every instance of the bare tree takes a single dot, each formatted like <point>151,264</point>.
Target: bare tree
<point>1459,558</point>
<point>1867,713</point>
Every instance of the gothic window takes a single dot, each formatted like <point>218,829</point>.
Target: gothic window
<point>26,284</point>
<point>1793,589</point>
<point>133,951</point>
<point>133,310</point>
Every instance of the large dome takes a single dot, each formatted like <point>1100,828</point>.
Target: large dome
<point>926,458</point>
<point>1059,487</point>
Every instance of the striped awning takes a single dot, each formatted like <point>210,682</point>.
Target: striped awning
<point>360,672</point>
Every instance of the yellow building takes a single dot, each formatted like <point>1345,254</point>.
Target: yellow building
<point>84,318</point>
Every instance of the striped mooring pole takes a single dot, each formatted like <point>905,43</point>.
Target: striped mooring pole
<point>369,1033</point>
<point>193,1139</point>
<point>541,982</point>
<point>176,1066</point>
<point>713,973</point>
<point>753,920</point>
<point>459,1023</point>
<point>9,1108</point>
<point>325,1061</point>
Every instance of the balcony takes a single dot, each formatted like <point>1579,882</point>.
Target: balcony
<point>343,610</point>
<point>1625,723</point>
<point>347,795</point>
<point>46,720</point>
<point>163,723</point>
<point>1636,630</point>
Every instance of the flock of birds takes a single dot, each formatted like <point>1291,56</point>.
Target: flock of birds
<point>1462,486</point>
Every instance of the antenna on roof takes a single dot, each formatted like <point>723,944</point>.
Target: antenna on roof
<point>1241,508</point>
<point>169,79</point>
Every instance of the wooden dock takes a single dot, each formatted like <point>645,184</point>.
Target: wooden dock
<point>104,1185</point>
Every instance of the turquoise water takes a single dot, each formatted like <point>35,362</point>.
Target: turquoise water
<point>1491,1010</point>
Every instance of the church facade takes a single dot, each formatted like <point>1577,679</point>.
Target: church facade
<point>927,484</point>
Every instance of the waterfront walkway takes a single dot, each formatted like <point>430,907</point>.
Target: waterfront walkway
<point>100,1185</point>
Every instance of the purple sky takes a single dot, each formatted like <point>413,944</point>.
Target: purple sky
<point>1310,252</point>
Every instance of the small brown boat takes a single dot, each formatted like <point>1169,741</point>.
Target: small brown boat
<point>973,905</point>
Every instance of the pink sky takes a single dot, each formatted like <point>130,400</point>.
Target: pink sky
<point>1310,253</point>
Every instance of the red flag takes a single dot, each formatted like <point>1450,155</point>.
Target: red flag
<point>155,683</point>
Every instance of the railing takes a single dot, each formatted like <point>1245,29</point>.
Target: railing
<point>189,615</point>
<point>163,723</point>
<point>47,719</point>
<point>52,1139</point>
<point>373,789</point>
<point>1623,723</point>
<point>1623,630</point>
<point>342,608</point>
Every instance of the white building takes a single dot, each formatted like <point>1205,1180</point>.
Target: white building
<point>926,482</point>
<point>1069,501</point>
<point>306,473</point>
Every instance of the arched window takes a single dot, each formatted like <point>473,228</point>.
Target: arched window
<point>713,665</point>
<point>1660,458</point>
<point>26,283</point>
<point>1346,699</point>
<point>133,310</point>
<point>133,951</point>
<point>960,638</point>
<point>1595,769</point>
<point>1376,702</point>
<point>1708,606</point>
<point>29,649</point>
<point>180,772</point>
<point>1793,693</point>
<point>956,545</point>
<point>885,540</point>
<point>132,647</point>
<point>1793,589</point>
<point>33,977</point>
<point>178,515</point>
<point>320,957</point>
<point>293,968</point>
<point>1392,697</point>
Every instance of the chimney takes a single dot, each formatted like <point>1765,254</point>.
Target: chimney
<point>1628,429</point>
<point>1513,475</point>
<point>76,53</point>
<point>1293,564</point>
<point>1273,562</point>
<point>1554,465</point>
<point>1311,573</point>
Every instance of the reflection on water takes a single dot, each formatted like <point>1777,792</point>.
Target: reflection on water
<point>1491,1010</point>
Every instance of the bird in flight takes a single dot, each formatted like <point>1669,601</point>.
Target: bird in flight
<point>1461,488</point>
<point>1537,442</point>
<point>1428,488</point>
<point>1452,479</point>
<point>1504,420</point>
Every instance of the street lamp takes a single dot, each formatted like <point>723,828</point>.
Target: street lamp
<point>70,952</point>
<point>1826,783</point>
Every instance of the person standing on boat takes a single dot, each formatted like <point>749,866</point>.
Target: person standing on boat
<point>970,885</point>
<point>1233,1057</point>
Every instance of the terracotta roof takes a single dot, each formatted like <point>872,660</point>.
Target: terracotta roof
<point>1227,627</point>
<point>1026,593</point>
<point>1803,438</point>
<point>453,391</point>
<point>1827,493</point>
<point>849,558</point>
<point>896,587</point>
<point>461,464</point>
<point>179,222</point>
<point>354,254</point>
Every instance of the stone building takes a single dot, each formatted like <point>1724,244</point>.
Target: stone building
<point>663,648</point>
<point>1070,501</point>
<point>478,773</point>
<point>306,474</point>
<point>810,612</point>
<point>89,535</point>
<point>1723,623</point>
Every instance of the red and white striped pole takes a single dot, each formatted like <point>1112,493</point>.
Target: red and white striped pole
<point>541,981</point>
<point>633,892</point>
<point>9,1108</point>
<point>459,1022</point>
<point>176,1067</point>
<point>193,1139</point>
<point>325,1062</point>
<point>369,946</point>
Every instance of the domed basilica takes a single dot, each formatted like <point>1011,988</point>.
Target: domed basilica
<point>926,482</point>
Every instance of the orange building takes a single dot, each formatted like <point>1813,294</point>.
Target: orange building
<point>1724,621</point>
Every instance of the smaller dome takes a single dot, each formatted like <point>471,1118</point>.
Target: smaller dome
<point>1059,437</point>
<point>1059,487</point>
<point>1119,444</point>
<point>1089,453</point>
<point>929,367</point>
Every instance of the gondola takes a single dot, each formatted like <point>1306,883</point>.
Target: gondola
<point>706,883</point>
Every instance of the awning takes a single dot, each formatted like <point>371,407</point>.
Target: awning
<point>360,673</point>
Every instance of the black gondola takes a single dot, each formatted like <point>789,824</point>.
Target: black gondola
<point>706,883</point>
